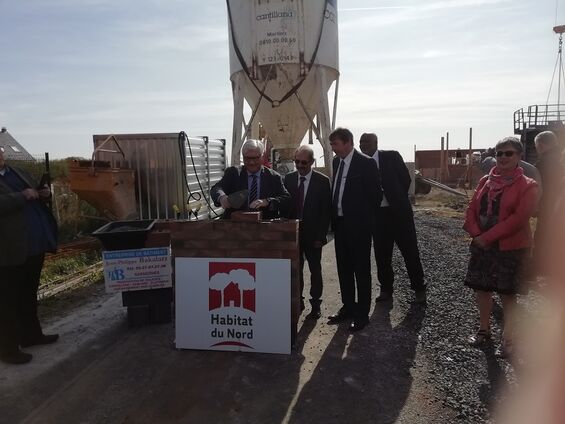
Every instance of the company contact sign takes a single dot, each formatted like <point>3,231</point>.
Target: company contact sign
<point>233,304</point>
<point>137,269</point>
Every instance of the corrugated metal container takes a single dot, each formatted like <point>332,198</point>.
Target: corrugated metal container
<point>173,172</point>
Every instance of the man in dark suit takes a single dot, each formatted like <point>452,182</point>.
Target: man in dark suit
<point>394,221</point>
<point>310,203</point>
<point>552,171</point>
<point>28,230</point>
<point>265,187</point>
<point>356,192</point>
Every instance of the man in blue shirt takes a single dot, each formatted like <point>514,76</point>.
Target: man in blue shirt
<point>27,231</point>
<point>265,188</point>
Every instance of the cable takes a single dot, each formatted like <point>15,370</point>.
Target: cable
<point>247,72</point>
<point>552,78</point>
<point>182,135</point>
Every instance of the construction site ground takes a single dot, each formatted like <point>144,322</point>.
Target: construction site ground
<point>410,365</point>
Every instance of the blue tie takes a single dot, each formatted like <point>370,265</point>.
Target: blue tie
<point>253,190</point>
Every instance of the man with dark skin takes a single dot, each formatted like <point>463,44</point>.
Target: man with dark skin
<point>394,221</point>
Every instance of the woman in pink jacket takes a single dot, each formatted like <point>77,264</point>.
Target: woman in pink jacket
<point>498,220</point>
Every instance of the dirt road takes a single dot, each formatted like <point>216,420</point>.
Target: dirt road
<point>103,372</point>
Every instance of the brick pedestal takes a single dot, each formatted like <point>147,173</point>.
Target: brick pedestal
<point>229,239</point>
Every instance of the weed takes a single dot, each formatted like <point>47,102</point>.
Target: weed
<point>61,267</point>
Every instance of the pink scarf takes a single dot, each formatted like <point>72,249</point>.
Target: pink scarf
<point>496,184</point>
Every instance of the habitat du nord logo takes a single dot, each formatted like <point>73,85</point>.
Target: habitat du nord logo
<point>231,302</point>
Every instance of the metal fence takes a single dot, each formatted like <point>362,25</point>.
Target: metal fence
<point>174,172</point>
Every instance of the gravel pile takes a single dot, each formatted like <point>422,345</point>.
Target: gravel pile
<point>468,378</point>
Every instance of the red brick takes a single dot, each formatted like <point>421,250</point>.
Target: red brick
<point>158,239</point>
<point>240,216</point>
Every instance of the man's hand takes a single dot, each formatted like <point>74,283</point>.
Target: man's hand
<point>44,193</point>
<point>30,194</point>
<point>318,244</point>
<point>259,203</point>
<point>478,241</point>
<point>224,201</point>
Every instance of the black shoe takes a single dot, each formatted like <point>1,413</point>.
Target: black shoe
<point>420,297</point>
<point>339,317</point>
<point>314,314</point>
<point>383,296</point>
<point>16,357</point>
<point>358,324</point>
<point>479,338</point>
<point>504,351</point>
<point>41,340</point>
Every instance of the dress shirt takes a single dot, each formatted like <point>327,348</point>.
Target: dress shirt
<point>346,162</point>
<point>384,202</point>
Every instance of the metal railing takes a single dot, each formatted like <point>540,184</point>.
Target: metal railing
<point>538,116</point>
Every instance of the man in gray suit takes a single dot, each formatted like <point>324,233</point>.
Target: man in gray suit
<point>310,203</point>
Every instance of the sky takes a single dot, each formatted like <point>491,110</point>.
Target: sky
<point>411,70</point>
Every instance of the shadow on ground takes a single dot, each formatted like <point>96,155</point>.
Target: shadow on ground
<point>365,377</point>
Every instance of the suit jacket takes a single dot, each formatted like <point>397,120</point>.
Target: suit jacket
<point>361,195</point>
<point>271,188</point>
<point>317,206</point>
<point>552,172</point>
<point>13,229</point>
<point>395,180</point>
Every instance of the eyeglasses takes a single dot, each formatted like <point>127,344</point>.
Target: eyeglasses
<point>301,162</point>
<point>507,153</point>
<point>251,158</point>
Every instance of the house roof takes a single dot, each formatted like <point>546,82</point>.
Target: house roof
<point>12,149</point>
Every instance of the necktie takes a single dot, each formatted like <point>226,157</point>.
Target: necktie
<point>253,190</point>
<point>300,205</point>
<point>338,186</point>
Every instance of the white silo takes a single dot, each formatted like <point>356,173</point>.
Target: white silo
<point>283,61</point>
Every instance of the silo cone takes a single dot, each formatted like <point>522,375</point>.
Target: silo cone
<point>283,61</point>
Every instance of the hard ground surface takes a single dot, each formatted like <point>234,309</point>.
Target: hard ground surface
<point>410,365</point>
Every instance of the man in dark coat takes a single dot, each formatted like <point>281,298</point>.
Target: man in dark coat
<point>27,231</point>
<point>394,221</point>
<point>310,203</point>
<point>356,192</point>
<point>266,191</point>
<point>552,173</point>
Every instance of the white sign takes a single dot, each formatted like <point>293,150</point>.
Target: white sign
<point>233,304</point>
<point>137,269</point>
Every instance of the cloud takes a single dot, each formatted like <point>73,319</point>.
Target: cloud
<point>363,9</point>
<point>404,14</point>
<point>238,276</point>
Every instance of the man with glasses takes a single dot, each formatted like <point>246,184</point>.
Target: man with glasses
<point>265,189</point>
<point>311,204</point>
<point>27,231</point>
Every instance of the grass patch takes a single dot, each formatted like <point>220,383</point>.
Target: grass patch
<point>56,269</point>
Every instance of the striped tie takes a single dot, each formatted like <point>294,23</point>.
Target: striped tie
<point>253,190</point>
